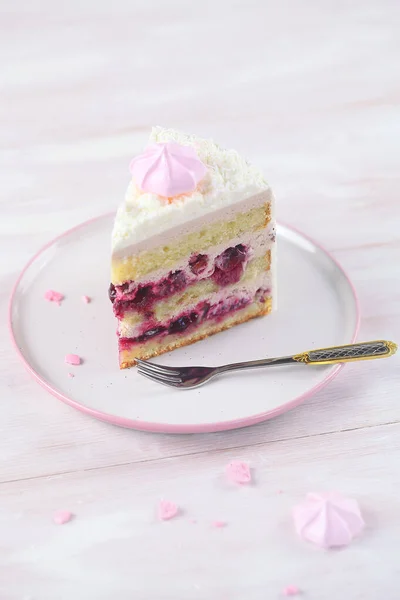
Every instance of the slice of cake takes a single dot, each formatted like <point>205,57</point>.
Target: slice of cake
<point>192,246</point>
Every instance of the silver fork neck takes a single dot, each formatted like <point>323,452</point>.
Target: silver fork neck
<point>253,364</point>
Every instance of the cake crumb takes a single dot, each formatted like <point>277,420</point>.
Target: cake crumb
<point>71,375</point>
<point>291,590</point>
<point>238,472</point>
<point>72,359</point>
<point>60,517</point>
<point>53,296</point>
<point>167,510</point>
<point>219,524</point>
<point>86,299</point>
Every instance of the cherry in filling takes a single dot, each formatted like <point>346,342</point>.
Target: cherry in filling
<point>183,323</point>
<point>202,313</point>
<point>143,297</point>
<point>229,265</point>
<point>198,263</point>
<point>228,269</point>
<point>151,333</point>
<point>174,283</point>
<point>112,292</point>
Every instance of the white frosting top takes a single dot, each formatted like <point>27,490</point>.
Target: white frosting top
<point>229,179</point>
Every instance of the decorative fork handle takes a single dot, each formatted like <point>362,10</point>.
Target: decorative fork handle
<point>349,353</point>
<point>323,356</point>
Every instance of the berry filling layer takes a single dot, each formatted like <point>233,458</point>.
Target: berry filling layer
<point>226,269</point>
<point>188,320</point>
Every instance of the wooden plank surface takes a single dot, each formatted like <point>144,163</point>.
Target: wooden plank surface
<point>309,91</point>
<point>116,547</point>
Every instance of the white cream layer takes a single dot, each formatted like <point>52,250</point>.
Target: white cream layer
<point>230,179</point>
<point>258,242</point>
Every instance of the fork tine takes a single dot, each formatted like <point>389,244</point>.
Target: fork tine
<point>162,376</point>
<point>159,372</point>
<point>161,369</point>
<point>168,382</point>
<point>157,368</point>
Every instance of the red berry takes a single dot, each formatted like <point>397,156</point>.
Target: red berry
<point>174,283</point>
<point>198,263</point>
<point>143,297</point>
<point>179,325</point>
<point>150,333</point>
<point>224,278</point>
<point>112,292</point>
<point>231,258</point>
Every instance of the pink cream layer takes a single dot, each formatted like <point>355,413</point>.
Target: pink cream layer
<point>189,320</point>
<point>224,269</point>
<point>127,328</point>
<point>258,241</point>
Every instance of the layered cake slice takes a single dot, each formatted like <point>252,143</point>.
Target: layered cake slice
<point>192,246</point>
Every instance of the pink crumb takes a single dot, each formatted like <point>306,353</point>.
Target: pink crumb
<point>71,375</point>
<point>238,472</point>
<point>60,517</point>
<point>193,521</point>
<point>219,524</point>
<point>86,299</point>
<point>167,510</point>
<point>72,359</point>
<point>291,590</point>
<point>53,296</point>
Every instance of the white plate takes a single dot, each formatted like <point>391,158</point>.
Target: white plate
<point>317,307</point>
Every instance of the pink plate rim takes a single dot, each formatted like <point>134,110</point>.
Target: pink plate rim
<point>168,428</point>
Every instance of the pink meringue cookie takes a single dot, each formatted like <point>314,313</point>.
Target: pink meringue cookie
<point>291,590</point>
<point>328,519</point>
<point>238,471</point>
<point>60,517</point>
<point>72,359</point>
<point>167,169</point>
<point>219,524</point>
<point>167,510</point>
<point>53,296</point>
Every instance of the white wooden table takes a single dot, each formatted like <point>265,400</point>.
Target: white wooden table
<point>309,91</point>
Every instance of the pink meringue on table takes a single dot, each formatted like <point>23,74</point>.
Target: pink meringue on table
<point>167,510</point>
<point>219,524</point>
<point>238,471</point>
<point>60,517</point>
<point>328,519</point>
<point>291,590</point>
<point>167,169</point>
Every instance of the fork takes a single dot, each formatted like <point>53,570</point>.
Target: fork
<point>191,377</point>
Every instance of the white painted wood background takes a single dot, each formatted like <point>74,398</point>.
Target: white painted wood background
<point>308,90</point>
